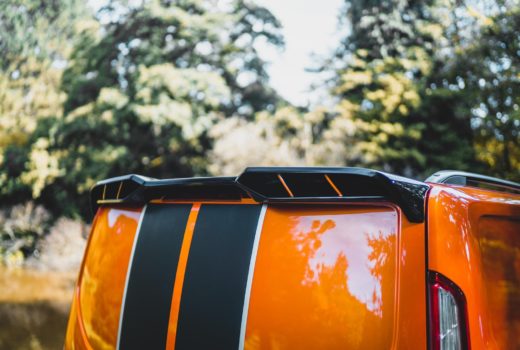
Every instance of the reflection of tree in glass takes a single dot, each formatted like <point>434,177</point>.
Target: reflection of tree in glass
<point>310,242</point>
<point>317,297</point>
<point>383,265</point>
<point>383,249</point>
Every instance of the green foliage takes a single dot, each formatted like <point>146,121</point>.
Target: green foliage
<point>428,86</point>
<point>189,34</point>
<point>172,88</point>
<point>35,40</point>
<point>37,28</point>
<point>390,85</point>
<point>144,89</point>
<point>21,226</point>
<point>490,72</point>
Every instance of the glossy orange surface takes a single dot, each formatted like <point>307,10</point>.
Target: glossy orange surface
<point>411,319</point>
<point>94,318</point>
<point>75,336</point>
<point>474,241</point>
<point>327,277</point>
<point>179,277</point>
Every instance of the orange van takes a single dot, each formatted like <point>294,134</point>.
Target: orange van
<point>301,258</point>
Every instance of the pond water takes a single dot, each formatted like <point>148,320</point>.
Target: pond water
<point>38,325</point>
<point>34,307</point>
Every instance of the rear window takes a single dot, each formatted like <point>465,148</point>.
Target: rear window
<point>499,242</point>
<point>325,278</point>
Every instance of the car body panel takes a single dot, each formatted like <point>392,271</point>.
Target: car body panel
<point>328,278</point>
<point>94,321</point>
<point>305,256</point>
<point>258,271</point>
<point>473,239</point>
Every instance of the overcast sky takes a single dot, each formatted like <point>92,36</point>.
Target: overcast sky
<point>309,27</point>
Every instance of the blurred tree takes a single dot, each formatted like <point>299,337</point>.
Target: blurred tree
<point>209,36</point>
<point>392,112</point>
<point>152,86</point>
<point>489,69</point>
<point>37,28</point>
<point>145,87</point>
<point>286,137</point>
<point>35,41</point>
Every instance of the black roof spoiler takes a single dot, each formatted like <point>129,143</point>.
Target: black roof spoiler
<point>267,184</point>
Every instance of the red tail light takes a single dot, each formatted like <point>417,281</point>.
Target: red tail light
<point>448,315</point>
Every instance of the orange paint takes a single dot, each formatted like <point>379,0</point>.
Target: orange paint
<point>179,277</point>
<point>331,275</point>
<point>331,183</point>
<point>102,280</point>
<point>73,328</point>
<point>75,337</point>
<point>411,300</point>
<point>285,185</point>
<point>81,333</point>
<point>325,278</point>
<point>473,240</point>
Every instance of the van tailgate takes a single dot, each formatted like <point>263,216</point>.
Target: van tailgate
<point>277,258</point>
<point>226,275</point>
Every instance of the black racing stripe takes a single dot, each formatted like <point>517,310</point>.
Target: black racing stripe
<point>152,276</point>
<point>212,300</point>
